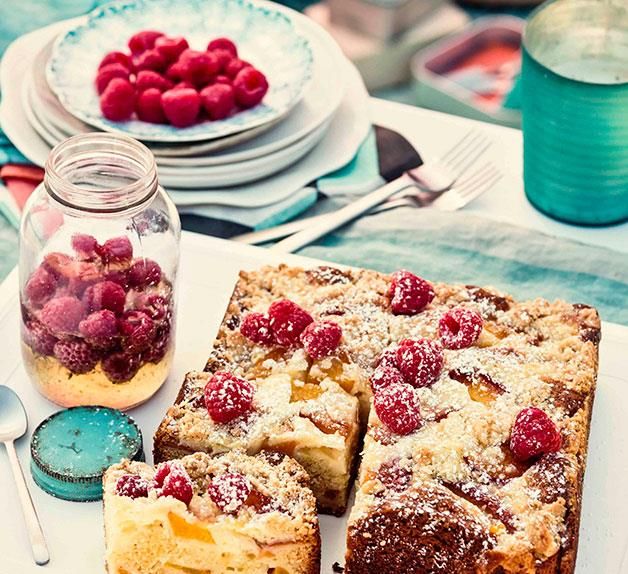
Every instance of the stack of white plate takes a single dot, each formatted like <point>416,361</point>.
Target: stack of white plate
<point>316,97</point>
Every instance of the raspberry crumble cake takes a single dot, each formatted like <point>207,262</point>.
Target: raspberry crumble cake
<point>478,411</point>
<point>200,515</point>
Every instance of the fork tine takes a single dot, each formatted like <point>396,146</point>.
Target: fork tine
<point>453,149</point>
<point>488,180</point>
<point>456,198</point>
<point>464,162</point>
<point>471,179</point>
<point>473,192</point>
<point>470,143</point>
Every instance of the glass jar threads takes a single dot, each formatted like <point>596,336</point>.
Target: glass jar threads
<point>99,253</point>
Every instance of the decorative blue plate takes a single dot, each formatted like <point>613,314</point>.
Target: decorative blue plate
<point>265,36</point>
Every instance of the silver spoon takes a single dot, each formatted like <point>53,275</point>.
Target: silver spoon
<point>12,426</point>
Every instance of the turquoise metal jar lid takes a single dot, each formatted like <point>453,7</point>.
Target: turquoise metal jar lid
<point>71,449</point>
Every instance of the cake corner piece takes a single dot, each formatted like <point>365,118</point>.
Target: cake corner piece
<point>202,514</point>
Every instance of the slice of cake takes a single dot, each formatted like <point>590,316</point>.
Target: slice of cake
<point>303,343</point>
<point>476,447</point>
<point>202,515</point>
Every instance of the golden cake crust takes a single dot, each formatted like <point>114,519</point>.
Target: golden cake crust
<point>525,517</point>
<point>531,354</point>
<point>278,518</point>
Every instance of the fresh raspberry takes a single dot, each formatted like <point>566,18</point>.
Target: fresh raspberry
<point>147,79</point>
<point>198,68</point>
<point>220,79</point>
<point>534,434</point>
<point>256,328</point>
<point>61,316</point>
<point>100,329</point>
<point>117,102</point>
<point>132,485</point>
<point>420,361</point>
<point>76,356</point>
<point>159,347</point>
<point>149,108</point>
<point>181,106</point>
<point>150,60</point>
<point>105,295</point>
<point>40,287</point>
<point>177,483</point>
<point>388,358</point>
<point>77,286</point>
<point>459,328</point>
<point>184,86</point>
<point>287,321</point>
<point>117,250</point>
<point>120,367</point>
<point>143,40</point>
<point>235,66</point>
<point>155,306</point>
<point>223,44</point>
<point>384,376</point>
<point>138,331</point>
<point>108,73</point>
<point>408,293</point>
<point>119,276</point>
<point>224,57</point>
<point>85,246</point>
<point>398,408</point>
<point>321,338</point>
<point>175,72</point>
<point>37,337</point>
<point>250,87</point>
<point>218,101</point>
<point>117,58</point>
<point>144,272</point>
<point>171,47</point>
<point>228,397</point>
<point>229,491</point>
<point>161,472</point>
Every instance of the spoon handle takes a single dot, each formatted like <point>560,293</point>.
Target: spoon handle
<point>38,542</point>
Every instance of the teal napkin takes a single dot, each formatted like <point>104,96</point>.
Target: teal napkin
<point>462,248</point>
<point>359,176</point>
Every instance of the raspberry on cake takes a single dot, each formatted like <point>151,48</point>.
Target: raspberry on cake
<point>202,514</point>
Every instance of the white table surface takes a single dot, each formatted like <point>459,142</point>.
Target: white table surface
<point>208,272</point>
<point>433,133</point>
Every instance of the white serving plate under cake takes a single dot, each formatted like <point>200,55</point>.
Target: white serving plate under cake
<point>209,269</point>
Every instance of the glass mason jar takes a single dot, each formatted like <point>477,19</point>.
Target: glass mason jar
<point>99,252</point>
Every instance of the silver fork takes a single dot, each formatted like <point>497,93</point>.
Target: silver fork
<point>433,177</point>
<point>464,192</point>
<point>442,173</point>
<point>367,202</point>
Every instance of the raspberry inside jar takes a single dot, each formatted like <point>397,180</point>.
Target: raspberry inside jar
<point>98,265</point>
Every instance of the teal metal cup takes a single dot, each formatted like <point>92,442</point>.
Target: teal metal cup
<point>574,83</point>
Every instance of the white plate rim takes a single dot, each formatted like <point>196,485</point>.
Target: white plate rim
<point>240,174</point>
